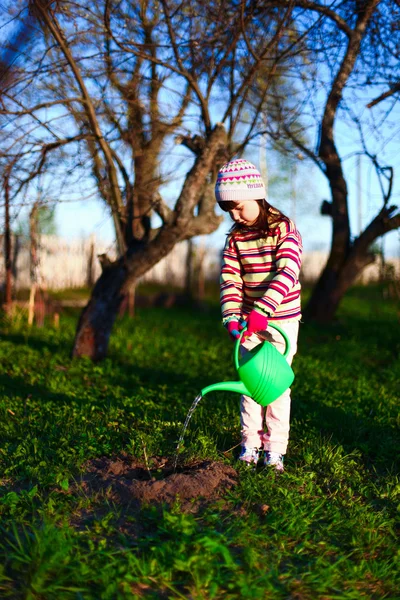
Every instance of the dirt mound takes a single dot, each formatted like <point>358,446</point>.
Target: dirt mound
<point>129,481</point>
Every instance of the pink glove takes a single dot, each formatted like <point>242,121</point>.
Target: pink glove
<point>233,329</point>
<point>255,322</point>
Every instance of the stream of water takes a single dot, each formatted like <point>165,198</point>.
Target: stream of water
<point>185,426</point>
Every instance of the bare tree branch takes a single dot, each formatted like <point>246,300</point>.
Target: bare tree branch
<point>393,90</point>
<point>51,23</point>
<point>325,11</point>
<point>188,76</point>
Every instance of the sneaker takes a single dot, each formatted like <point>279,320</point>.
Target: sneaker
<point>249,455</point>
<point>274,459</point>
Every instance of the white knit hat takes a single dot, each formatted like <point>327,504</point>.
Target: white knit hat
<point>239,180</point>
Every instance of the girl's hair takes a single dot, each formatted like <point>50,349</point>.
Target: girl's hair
<point>268,216</point>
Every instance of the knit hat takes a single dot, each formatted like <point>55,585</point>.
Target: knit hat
<point>239,180</point>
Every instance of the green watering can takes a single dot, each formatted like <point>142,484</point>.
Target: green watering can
<point>264,372</point>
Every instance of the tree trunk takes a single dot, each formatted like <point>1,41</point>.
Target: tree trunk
<point>95,324</point>
<point>346,261</point>
<point>90,279</point>
<point>15,255</point>
<point>7,244</point>
<point>333,284</point>
<point>326,297</point>
<point>34,295</point>
<point>189,270</point>
<point>97,318</point>
<point>31,304</point>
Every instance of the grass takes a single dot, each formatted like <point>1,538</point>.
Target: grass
<point>324,529</point>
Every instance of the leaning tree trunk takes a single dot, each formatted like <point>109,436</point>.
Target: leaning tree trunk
<point>97,318</point>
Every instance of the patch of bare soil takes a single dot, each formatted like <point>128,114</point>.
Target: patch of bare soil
<point>128,481</point>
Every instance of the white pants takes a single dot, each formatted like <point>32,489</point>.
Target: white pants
<point>277,414</point>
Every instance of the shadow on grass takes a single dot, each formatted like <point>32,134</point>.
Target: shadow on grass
<point>371,334</point>
<point>32,341</point>
<point>16,387</point>
<point>377,444</point>
<point>341,347</point>
<point>364,353</point>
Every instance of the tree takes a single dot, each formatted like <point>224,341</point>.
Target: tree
<point>44,217</point>
<point>8,57</point>
<point>13,49</point>
<point>128,82</point>
<point>353,48</point>
<point>7,241</point>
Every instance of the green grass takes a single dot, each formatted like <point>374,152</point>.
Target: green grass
<point>329,530</point>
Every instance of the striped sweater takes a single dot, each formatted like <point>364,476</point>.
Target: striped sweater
<point>262,273</point>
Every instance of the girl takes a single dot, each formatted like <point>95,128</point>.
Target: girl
<point>259,283</point>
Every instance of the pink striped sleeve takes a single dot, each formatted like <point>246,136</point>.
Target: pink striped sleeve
<point>288,262</point>
<point>231,284</point>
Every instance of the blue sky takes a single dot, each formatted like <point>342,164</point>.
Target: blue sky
<point>76,219</point>
<point>80,219</point>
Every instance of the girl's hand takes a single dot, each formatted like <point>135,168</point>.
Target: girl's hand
<point>255,322</point>
<point>233,329</point>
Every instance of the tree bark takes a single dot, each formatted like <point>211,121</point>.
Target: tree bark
<point>333,284</point>
<point>346,259</point>
<point>339,275</point>
<point>97,318</point>
<point>7,243</point>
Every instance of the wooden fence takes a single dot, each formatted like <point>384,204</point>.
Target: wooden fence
<point>64,264</point>
<point>74,263</point>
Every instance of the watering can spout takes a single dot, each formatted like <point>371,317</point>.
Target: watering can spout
<point>228,386</point>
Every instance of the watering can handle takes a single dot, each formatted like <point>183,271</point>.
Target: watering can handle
<point>283,334</point>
